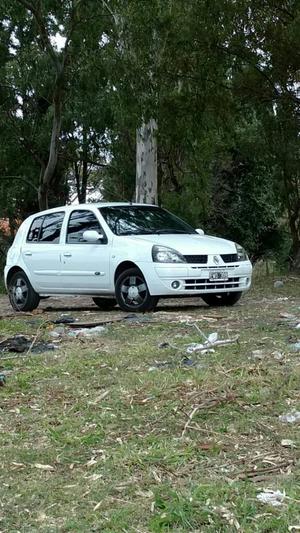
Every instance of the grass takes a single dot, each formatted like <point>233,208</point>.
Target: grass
<point>95,437</point>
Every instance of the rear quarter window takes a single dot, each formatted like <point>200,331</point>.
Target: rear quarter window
<point>34,230</point>
<point>46,228</point>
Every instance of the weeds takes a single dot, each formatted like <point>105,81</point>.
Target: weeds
<point>121,448</point>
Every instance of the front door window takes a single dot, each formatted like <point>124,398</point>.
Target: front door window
<point>79,222</point>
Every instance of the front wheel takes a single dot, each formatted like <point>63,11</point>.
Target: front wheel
<point>132,293</point>
<point>22,296</point>
<point>223,298</point>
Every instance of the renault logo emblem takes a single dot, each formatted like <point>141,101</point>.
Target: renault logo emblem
<point>216,260</point>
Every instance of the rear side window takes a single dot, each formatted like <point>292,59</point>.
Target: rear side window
<point>46,228</point>
<point>79,222</point>
<point>34,230</point>
<point>50,231</point>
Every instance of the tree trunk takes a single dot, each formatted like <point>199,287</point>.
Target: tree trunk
<point>47,175</point>
<point>295,233</point>
<point>146,163</point>
<point>85,173</point>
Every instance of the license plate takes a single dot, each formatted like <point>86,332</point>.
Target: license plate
<point>218,274</point>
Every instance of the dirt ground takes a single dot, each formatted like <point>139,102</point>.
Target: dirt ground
<point>79,304</point>
<point>131,431</point>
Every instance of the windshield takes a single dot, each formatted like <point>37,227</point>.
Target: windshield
<point>143,220</point>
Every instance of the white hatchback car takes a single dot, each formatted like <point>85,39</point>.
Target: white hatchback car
<point>130,254</point>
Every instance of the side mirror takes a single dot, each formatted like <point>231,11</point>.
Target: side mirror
<point>92,236</point>
<point>200,231</point>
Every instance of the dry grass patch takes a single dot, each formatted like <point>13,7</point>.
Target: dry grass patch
<point>116,433</point>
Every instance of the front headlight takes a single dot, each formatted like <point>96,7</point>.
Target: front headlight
<point>163,254</point>
<point>241,253</point>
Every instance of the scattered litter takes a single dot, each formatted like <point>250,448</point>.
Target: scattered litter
<point>195,347</point>
<point>162,364</point>
<point>295,347</point>
<point>288,443</point>
<point>2,380</point>
<point>164,345</point>
<point>271,497</point>
<point>137,318</point>
<point>289,316</point>
<point>87,332</point>
<point>185,362</point>
<point>57,332</point>
<point>97,323</point>
<point>282,298</point>
<point>291,418</point>
<point>297,326</point>
<point>54,334</point>
<point>65,319</point>
<point>278,355</point>
<point>21,344</point>
<point>212,338</point>
<point>188,362</point>
<point>210,343</point>
<point>278,284</point>
<point>258,354</point>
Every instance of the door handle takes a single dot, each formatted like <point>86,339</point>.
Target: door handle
<point>67,254</point>
<point>27,253</point>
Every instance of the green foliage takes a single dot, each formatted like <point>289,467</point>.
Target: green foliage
<point>220,79</point>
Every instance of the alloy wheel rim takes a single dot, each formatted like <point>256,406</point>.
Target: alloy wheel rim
<point>19,292</point>
<point>134,291</point>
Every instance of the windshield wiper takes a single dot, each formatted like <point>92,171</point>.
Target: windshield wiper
<point>170,230</point>
<point>137,232</point>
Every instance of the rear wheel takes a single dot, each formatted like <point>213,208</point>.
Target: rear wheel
<point>105,303</point>
<point>223,298</point>
<point>22,296</point>
<point>132,293</point>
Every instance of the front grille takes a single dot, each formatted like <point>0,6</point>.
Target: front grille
<point>229,258</point>
<point>196,259</point>
<point>206,284</point>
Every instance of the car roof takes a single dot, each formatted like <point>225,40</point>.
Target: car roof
<point>68,208</point>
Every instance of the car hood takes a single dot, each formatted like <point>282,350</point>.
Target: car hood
<point>188,244</point>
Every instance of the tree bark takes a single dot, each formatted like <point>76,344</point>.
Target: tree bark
<point>146,163</point>
<point>48,174</point>
<point>60,65</point>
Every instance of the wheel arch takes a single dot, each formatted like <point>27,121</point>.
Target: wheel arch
<point>13,271</point>
<point>125,265</point>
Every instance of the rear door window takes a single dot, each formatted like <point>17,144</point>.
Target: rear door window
<point>51,227</point>
<point>79,222</point>
<point>34,230</point>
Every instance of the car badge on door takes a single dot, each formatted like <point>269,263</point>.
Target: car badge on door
<point>216,260</point>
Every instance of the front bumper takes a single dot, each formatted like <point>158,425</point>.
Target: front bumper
<point>196,279</point>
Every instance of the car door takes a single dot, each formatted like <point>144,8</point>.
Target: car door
<point>41,251</point>
<point>85,266</point>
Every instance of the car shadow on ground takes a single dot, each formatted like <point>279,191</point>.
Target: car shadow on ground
<point>170,307</point>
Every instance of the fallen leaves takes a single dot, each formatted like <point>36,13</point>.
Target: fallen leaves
<point>47,468</point>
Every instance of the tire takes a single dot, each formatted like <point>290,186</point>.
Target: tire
<point>105,303</point>
<point>21,294</point>
<point>132,293</point>
<point>223,298</point>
